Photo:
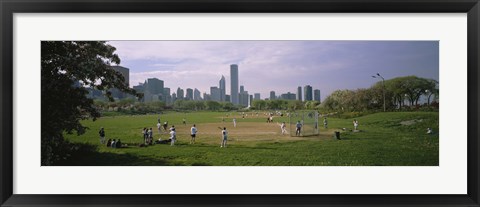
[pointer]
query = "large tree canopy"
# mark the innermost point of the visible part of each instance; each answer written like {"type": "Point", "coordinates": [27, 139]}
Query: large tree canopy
{"type": "Point", "coordinates": [397, 90]}
{"type": "Point", "coordinates": [66, 65]}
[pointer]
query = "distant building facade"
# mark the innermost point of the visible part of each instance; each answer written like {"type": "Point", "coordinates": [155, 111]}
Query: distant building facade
{"type": "Point", "coordinates": [316, 95]}
{"type": "Point", "coordinates": [234, 83]}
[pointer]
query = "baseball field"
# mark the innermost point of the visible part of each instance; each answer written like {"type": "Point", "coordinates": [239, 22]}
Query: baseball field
{"type": "Point", "coordinates": [383, 139]}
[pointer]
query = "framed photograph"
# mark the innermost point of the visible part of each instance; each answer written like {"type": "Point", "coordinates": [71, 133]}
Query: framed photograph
{"type": "Point", "coordinates": [262, 103]}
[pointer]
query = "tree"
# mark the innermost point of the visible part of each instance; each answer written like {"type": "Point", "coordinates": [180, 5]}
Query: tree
{"type": "Point", "coordinates": [65, 66]}
{"type": "Point", "coordinates": [213, 105]}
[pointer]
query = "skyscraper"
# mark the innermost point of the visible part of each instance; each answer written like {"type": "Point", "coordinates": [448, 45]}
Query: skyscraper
{"type": "Point", "coordinates": [126, 75]}
{"type": "Point", "coordinates": [179, 93]}
{"type": "Point", "coordinates": [299, 93]}
{"type": "Point", "coordinates": [215, 93]}
{"type": "Point", "coordinates": [257, 96]}
{"type": "Point", "coordinates": [167, 98]}
{"type": "Point", "coordinates": [288, 96]}
{"type": "Point", "coordinates": [196, 95]}
{"type": "Point", "coordinates": [242, 89]}
{"type": "Point", "coordinates": [155, 86]}
{"type": "Point", "coordinates": [189, 95]}
{"type": "Point", "coordinates": [221, 85]}
{"type": "Point", "coordinates": [243, 98]}
{"type": "Point", "coordinates": [316, 95]}
{"type": "Point", "coordinates": [272, 95]}
{"type": "Point", "coordinates": [234, 83]}
{"type": "Point", "coordinates": [308, 93]}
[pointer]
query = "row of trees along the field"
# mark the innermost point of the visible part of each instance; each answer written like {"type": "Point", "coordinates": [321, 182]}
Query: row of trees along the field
{"type": "Point", "coordinates": [398, 92]}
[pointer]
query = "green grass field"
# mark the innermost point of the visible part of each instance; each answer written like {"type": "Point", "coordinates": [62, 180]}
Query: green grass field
{"type": "Point", "coordinates": [386, 139]}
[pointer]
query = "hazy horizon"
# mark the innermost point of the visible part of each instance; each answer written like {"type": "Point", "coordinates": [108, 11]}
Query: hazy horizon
{"type": "Point", "coordinates": [280, 66]}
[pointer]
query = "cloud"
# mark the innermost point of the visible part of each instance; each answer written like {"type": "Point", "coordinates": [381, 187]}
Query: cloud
{"type": "Point", "coordinates": [281, 66]}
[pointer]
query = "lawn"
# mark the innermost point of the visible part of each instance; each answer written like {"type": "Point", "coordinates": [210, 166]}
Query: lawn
{"type": "Point", "coordinates": [385, 139]}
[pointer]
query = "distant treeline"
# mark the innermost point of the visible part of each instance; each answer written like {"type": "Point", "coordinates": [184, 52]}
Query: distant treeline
{"type": "Point", "coordinates": [399, 93]}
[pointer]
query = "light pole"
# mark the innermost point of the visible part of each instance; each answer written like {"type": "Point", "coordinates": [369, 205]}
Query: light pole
{"type": "Point", "coordinates": [383, 89]}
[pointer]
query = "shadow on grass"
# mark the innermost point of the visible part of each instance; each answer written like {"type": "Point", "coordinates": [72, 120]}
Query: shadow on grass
{"type": "Point", "coordinates": [88, 155]}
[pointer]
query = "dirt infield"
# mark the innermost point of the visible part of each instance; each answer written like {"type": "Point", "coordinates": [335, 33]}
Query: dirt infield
{"type": "Point", "coordinates": [244, 132]}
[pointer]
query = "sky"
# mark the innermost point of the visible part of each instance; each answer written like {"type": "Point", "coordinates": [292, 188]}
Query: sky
{"type": "Point", "coordinates": [279, 66]}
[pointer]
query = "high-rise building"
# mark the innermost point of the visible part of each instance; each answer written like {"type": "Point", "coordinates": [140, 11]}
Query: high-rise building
{"type": "Point", "coordinates": [124, 71]}
{"type": "Point", "coordinates": [242, 89]}
{"type": "Point", "coordinates": [299, 93]}
{"type": "Point", "coordinates": [167, 98]}
{"type": "Point", "coordinates": [214, 93]}
{"type": "Point", "coordinates": [174, 97]}
{"type": "Point", "coordinates": [189, 95]}
{"type": "Point", "coordinates": [272, 95]}
{"type": "Point", "coordinates": [250, 101]}
{"type": "Point", "coordinates": [155, 86]}
{"type": "Point", "coordinates": [234, 83]}
{"type": "Point", "coordinates": [316, 95]}
{"type": "Point", "coordinates": [288, 96]}
{"type": "Point", "coordinates": [221, 85]}
{"type": "Point", "coordinates": [126, 75]}
{"type": "Point", "coordinates": [243, 98]}
{"type": "Point", "coordinates": [257, 96]}
{"type": "Point", "coordinates": [196, 95]}
{"type": "Point", "coordinates": [179, 93]}
{"type": "Point", "coordinates": [207, 97]}
{"type": "Point", "coordinates": [227, 98]}
{"type": "Point", "coordinates": [307, 92]}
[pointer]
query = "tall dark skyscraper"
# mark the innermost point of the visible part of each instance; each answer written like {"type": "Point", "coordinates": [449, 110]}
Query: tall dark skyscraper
{"type": "Point", "coordinates": [234, 83]}
{"type": "Point", "coordinates": [272, 95]}
{"type": "Point", "coordinates": [196, 95]}
{"type": "Point", "coordinates": [126, 75]}
{"type": "Point", "coordinates": [221, 85]}
{"type": "Point", "coordinates": [257, 96]}
{"type": "Point", "coordinates": [316, 95]}
{"type": "Point", "coordinates": [308, 93]}
{"type": "Point", "coordinates": [189, 95]}
{"type": "Point", "coordinates": [155, 86]}
{"type": "Point", "coordinates": [179, 93]}
{"type": "Point", "coordinates": [299, 93]}
{"type": "Point", "coordinates": [215, 93]}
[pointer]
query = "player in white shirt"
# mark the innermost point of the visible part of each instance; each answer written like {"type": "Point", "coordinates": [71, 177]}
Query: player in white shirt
{"type": "Point", "coordinates": [159, 127]}
{"type": "Point", "coordinates": [173, 136]}
{"type": "Point", "coordinates": [224, 137]}
{"type": "Point", "coordinates": [193, 133]}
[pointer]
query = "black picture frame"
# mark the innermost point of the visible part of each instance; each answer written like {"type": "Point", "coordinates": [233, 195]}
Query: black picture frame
{"type": "Point", "coordinates": [10, 7]}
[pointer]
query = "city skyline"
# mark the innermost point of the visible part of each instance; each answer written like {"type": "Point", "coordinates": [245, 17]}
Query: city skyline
{"type": "Point", "coordinates": [279, 66]}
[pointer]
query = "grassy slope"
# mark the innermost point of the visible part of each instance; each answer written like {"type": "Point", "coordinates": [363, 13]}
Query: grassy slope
{"type": "Point", "coordinates": [383, 141]}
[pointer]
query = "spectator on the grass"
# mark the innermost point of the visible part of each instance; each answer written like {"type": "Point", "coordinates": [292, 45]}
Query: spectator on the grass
{"type": "Point", "coordinates": [234, 122]}
{"type": "Point", "coordinates": [145, 135]}
{"type": "Point", "coordinates": [109, 142]}
{"type": "Point", "coordinates": [224, 137]}
{"type": "Point", "coordinates": [184, 121]}
{"type": "Point", "coordinates": [114, 143]}
{"type": "Point", "coordinates": [193, 133]}
{"type": "Point", "coordinates": [102, 135]}
{"type": "Point", "coordinates": [118, 144]}
{"type": "Point", "coordinates": [429, 130]}
{"type": "Point", "coordinates": [355, 124]}
{"type": "Point", "coordinates": [325, 123]}
{"type": "Point", "coordinates": [150, 136]}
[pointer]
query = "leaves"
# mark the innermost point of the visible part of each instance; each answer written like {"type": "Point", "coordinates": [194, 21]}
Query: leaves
{"type": "Point", "coordinates": [66, 65]}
